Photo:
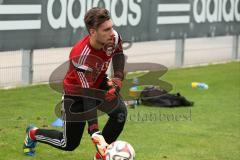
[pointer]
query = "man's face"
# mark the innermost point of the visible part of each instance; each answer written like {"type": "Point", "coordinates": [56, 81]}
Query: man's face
{"type": "Point", "coordinates": [104, 34]}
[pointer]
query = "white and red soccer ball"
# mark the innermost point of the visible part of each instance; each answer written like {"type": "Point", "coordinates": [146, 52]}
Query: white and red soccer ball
{"type": "Point", "coordinates": [120, 150]}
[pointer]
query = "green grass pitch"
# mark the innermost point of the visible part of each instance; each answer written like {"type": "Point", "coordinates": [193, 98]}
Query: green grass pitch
{"type": "Point", "coordinates": [208, 131]}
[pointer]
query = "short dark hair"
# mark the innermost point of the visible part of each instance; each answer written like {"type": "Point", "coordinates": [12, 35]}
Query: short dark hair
{"type": "Point", "coordinates": [95, 17]}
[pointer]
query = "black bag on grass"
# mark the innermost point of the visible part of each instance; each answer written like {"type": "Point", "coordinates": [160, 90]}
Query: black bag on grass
{"type": "Point", "coordinates": [153, 96]}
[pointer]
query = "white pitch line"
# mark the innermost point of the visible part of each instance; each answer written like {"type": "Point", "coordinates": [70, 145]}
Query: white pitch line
{"type": "Point", "coordinates": [173, 19]}
{"type": "Point", "coordinates": [20, 25]}
{"type": "Point", "coordinates": [173, 7]}
{"type": "Point", "coordinates": [20, 9]}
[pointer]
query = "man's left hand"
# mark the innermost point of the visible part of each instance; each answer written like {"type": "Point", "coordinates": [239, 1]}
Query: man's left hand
{"type": "Point", "coordinates": [115, 85]}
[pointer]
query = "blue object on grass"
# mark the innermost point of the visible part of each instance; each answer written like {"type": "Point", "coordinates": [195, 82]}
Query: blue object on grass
{"type": "Point", "coordinates": [58, 123]}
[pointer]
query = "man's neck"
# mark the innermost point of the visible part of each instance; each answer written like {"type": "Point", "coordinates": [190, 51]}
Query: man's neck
{"type": "Point", "coordinates": [95, 44]}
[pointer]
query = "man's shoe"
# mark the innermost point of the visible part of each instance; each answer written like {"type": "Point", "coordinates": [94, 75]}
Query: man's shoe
{"type": "Point", "coordinates": [98, 157]}
{"type": "Point", "coordinates": [29, 144]}
{"type": "Point", "coordinates": [100, 144]}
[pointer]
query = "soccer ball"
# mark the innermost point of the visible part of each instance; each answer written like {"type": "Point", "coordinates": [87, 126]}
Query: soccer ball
{"type": "Point", "coordinates": [120, 150]}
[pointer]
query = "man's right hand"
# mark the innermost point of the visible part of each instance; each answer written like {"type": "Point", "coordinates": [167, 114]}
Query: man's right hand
{"type": "Point", "coordinates": [100, 143]}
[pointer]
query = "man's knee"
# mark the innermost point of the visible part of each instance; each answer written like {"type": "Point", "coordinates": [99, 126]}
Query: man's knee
{"type": "Point", "coordinates": [71, 147]}
{"type": "Point", "coordinates": [120, 113]}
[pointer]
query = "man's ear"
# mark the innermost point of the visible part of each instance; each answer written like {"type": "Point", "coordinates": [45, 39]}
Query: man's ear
{"type": "Point", "coordinates": [92, 31]}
